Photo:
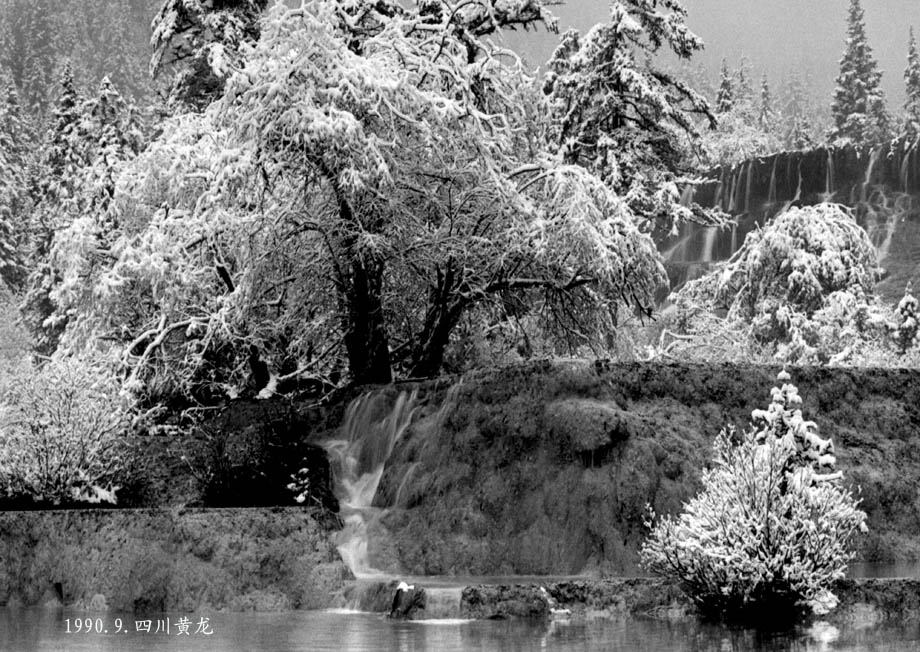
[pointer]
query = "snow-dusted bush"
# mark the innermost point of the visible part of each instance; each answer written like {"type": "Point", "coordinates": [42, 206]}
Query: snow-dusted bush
{"type": "Point", "coordinates": [61, 433]}
{"type": "Point", "coordinates": [770, 531]}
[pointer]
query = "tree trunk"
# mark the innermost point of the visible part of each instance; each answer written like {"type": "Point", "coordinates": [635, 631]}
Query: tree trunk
{"type": "Point", "coordinates": [440, 321]}
{"type": "Point", "coordinates": [366, 339]}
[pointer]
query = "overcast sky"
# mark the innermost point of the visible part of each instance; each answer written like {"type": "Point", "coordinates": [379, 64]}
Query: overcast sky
{"type": "Point", "coordinates": [782, 35]}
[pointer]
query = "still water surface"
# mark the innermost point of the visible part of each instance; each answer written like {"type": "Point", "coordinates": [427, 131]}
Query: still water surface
{"type": "Point", "coordinates": [38, 630]}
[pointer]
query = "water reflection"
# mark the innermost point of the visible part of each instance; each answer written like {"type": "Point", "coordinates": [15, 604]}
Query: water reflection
{"type": "Point", "coordinates": [36, 630]}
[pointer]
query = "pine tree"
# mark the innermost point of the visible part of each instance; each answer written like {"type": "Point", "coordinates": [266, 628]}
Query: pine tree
{"type": "Point", "coordinates": [617, 115]}
{"type": "Point", "coordinates": [15, 145]}
{"type": "Point", "coordinates": [725, 99]}
{"type": "Point", "coordinates": [799, 130]}
{"type": "Point", "coordinates": [859, 113]}
{"type": "Point", "coordinates": [912, 82]}
{"type": "Point", "coordinates": [111, 130]}
{"type": "Point", "coordinates": [744, 88]}
{"type": "Point", "coordinates": [767, 116]}
{"type": "Point", "coordinates": [57, 178]}
{"type": "Point", "coordinates": [62, 153]}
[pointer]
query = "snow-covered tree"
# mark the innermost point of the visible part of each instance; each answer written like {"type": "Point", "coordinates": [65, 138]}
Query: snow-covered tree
{"type": "Point", "coordinates": [112, 134]}
{"type": "Point", "coordinates": [800, 284]}
{"type": "Point", "coordinates": [799, 130]}
{"type": "Point", "coordinates": [858, 109]}
{"type": "Point", "coordinates": [767, 115]}
{"type": "Point", "coordinates": [614, 113]}
{"type": "Point", "coordinates": [200, 41]}
{"type": "Point", "coordinates": [741, 133]}
{"type": "Point", "coordinates": [362, 184]}
{"type": "Point", "coordinates": [85, 146]}
{"type": "Point", "coordinates": [56, 178]}
{"type": "Point", "coordinates": [770, 532]}
{"type": "Point", "coordinates": [725, 99]}
{"type": "Point", "coordinates": [16, 145]}
{"type": "Point", "coordinates": [912, 86]}
{"type": "Point", "coordinates": [744, 85]}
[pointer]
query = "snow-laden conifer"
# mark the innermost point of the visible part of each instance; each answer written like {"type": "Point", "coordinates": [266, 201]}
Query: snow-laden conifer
{"type": "Point", "coordinates": [766, 116]}
{"type": "Point", "coordinates": [16, 144]}
{"type": "Point", "coordinates": [912, 86]}
{"type": "Point", "coordinates": [858, 110]}
{"type": "Point", "coordinates": [615, 113]}
{"type": "Point", "coordinates": [799, 128]}
{"type": "Point", "coordinates": [725, 99]}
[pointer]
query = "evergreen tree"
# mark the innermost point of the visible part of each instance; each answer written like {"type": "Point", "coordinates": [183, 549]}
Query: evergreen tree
{"type": "Point", "coordinates": [858, 109]}
{"type": "Point", "coordinates": [15, 145]}
{"type": "Point", "coordinates": [56, 180]}
{"type": "Point", "coordinates": [62, 153]}
{"type": "Point", "coordinates": [744, 88]}
{"type": "Point", "coordinates": [617, 115]}
{"type": "Point", "coordinates": [912, 82]}
{"type": "Point", "coordinates": [767, 116]}
{"type": "Point", "coordinates": [111, 129]}
{"type": "Point", "coordinates": [725, 99]}
{"type": "Point", "coordinates": [799, 129]}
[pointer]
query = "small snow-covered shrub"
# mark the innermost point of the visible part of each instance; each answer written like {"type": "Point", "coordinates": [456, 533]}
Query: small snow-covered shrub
{"type": "Point", "coordinates": [905, 329]}
{"type": "Point", "coordinates": [770, 530]}
{"type": "Point", "coordinates": [62, 431]}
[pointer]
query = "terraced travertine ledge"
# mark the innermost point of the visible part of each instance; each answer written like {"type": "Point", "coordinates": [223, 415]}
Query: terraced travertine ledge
{"type": "Point", "coordinates": [234, 559]}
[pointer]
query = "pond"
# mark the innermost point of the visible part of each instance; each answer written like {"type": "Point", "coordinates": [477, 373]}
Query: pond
{"type": "Point", "coordinates": [39, 630]}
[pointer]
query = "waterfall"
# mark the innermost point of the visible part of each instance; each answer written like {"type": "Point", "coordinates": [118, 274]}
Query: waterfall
{"type": "Point", "coordinates": [881, 185]}
{"type": "Point", "coordinates": [910, 150]}
{"type": "Point", "coordinates": [747, 190]}
{"type": "Point", "coordinates": [709, 242]}
{"type": "Point", "coordinates": [873, 158]}
{"type": "Point", "coordinates": [771, 193]}
{"type": "Point", "coordinates": [369, 433]}
{"type": "Point", "coordinates": [829, 177]}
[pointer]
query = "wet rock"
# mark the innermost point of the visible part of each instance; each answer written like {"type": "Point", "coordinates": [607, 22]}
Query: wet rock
{"type": "Point", "coordinates": [408, 601]}
{"type": "Point", "coordinates": [499, 602]}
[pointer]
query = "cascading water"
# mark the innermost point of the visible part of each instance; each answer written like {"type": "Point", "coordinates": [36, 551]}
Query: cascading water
{"type": "Point", "coordinates": [881, 185]}
{"type": "Point", "coordinates": [369, 433]}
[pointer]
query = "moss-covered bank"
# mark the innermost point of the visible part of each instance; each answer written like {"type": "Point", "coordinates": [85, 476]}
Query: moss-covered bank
{"type": "Point", "coordinates": [547, 468]}
{"type": "Point", "coordinates": [169, 559]}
